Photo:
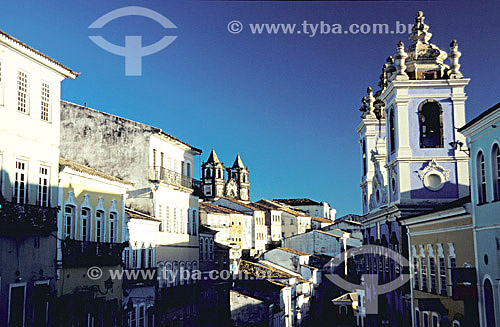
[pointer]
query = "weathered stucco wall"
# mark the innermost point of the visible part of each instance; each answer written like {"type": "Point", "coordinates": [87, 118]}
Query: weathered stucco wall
{"type": "Point", "coordinates": [111, 144]}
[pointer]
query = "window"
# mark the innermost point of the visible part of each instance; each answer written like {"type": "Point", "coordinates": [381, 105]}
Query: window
{"type": "Point", "coordinates": [21, 182]}
{"type": "Point", "coordinates": [442, 277]}
{"type": "Point", "coordinates": [452, 262]}
{"type": "Point", "coordinates": [17, 302]}
{"type": "Point", "coordinates": [426, 319]}
{"type": "Point", "coordinates": [22, 92]}
{"type": "Point", "coordinates": [417, 318]}
{"type": "Point", "coordinates": [99, 226]}
{"type": "Point", "coordinates": [392, 129]}
{"type": "Point", "coordinates": [169, 274]}
{"type": "Point", "coordinates": [435, 320]}
{"type": "Point", "coordinates": [85, 221]}
{"type": "Point", "coordinates": [45, 102]}
{"type": "Point", "coordinates": [195, 225]}
{"type": "Point", "coordinates": [182, 221]}
{"type": "Point", "coordinates": [154, 157]}
{"type": "Point", "coordinates": [112, 227]}
{"type": "Point", "coordinates": [455, 323]}
{"type": "Point", "coordinates": [43, 186]}
{"type": "Point", "coordinates": [175, 220]}
{"type": "Point", "coordinates": [432, 273]}
{"type": "Point", "coordinates": [495, 166]}
{"type": "Point", "coordinates": [176, 274]}
{"type": "Point", "coordinates": [167, 220]}
{"type": "Point", "coordinates": [188, 169]}
{"type": "Point", "coordinates": [69, 217]}
{"type": "Point", "coordinates": [134, 259]}
{"type": "Point", "coordinates": [141, 316]}
{"type": "Point", "coordinates": [188, 222]}
{"type": "Point", "coordinates": [143, 258]}
{"type": "Point", "coordinates": [481, 178]}
{"type": "Point", "coordinates": [162, 159]}
{"type": "Point", "coordinates": [182, 272]}
{"type": "Point", "coordinates": [126, 258]}
{"type": "Point", "coordinates": [423, 271]}
{"type": "Point", "coordinates": [291, 221]}
{"type": "Point", "coordinates": [160, 217]}
{"type": "Point", "coordinates": [133, 317]}
{"type": "Point", "coordinates": [431, 124]}
{"type": "Point", "coordinates": [150, 257]}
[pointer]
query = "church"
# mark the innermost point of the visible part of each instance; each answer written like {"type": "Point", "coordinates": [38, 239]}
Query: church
{"type": "Point", "coordinates": [409, 164]}
{"type": "Point", "coordinates": [215, 183]}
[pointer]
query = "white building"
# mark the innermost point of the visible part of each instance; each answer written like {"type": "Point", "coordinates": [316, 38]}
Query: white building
{"type": "Point", "coordinates": [30, 91]}
{"type": "Point", "coordinates": [254, 231]}
{"type": "Point", "coordinates": [310, 207]}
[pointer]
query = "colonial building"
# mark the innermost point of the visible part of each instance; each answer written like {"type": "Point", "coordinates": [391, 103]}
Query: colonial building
{"type": "Point", "coordinates": [310, 207]}
{"type": "Point", "coordinates": [139, 259]}
{"type": "Point", "coordinates": [408, 164]}
{"type": "Point", "coordinates": [219, 219]}
{"type": "Point", "coordinates": [215, 184]}
{"type": "Point", "coordinates": [483, 140]}
{"type": "Point", "coordinates": [160, 166]}
{"type": "Point", "coordinates": [30, 87]}
{"type": "Point", "coordinates": [89, 235]}
{"type": "Point", "coordinates": [273, 222]}
{"type": "Point", "coordinates": [443, 274]}
{"type": "Point", "coordinates": [254, 238]}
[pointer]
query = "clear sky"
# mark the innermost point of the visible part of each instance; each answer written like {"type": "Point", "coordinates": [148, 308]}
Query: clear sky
{"type": "Point", "coordinates": [287, 103]}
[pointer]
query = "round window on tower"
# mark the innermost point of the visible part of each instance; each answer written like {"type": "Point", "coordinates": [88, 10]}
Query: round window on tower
{"type": "Point", "coordinates": [393, 184]}
{"type": "Point", "coordinates": [434, 181]}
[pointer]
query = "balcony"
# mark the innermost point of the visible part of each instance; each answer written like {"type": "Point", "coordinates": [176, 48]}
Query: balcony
{"type": "Point", "coordinates": [86, 254]}
{"type": "Point", "coordinates": [170, 177]}
{"type": "Point", "coordinates": [26, 218]}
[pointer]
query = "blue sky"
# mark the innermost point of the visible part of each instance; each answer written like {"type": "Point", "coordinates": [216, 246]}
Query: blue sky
{"type": "Point", "coordinates": [287, 103]}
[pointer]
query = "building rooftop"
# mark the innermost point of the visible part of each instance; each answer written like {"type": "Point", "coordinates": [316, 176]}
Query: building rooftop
{"type": "Point", "coordinates": [204, 229]}
{"type": "Point", "coordinates": [294, 251]}
{"type": "Point", "coordinates": [9, 38]}
{"type": "Point", "coordinates": [139, 215]}
{"type": "Point", "coordinates": [248, 206]}
{"type": "Point", "coordinates": [297, 202]}
{"type": "Point", "coordinates": [322, 220]}
{"type": "Point", "coordinates": [216, 209]}
{"type": "Point", "coordinates": [348, 298]}
{"type": "Point", "coordinates": [90, 171]}
{"type": "Point", "coordinates": [481, 116]}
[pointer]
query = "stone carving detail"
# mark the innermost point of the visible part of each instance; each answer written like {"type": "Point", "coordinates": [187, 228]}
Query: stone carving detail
{"type": "Point", "coordinates": [433, 166]}
{"type": "Point", "coordinates": [400, 58]}
{"type": "Point", "coordinates": [421, 48]}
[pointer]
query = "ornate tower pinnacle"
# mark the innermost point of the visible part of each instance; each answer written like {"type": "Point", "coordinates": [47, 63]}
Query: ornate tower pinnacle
{"type": "Point", "coordinates": [454, 55]}
{"type": "Point", "coordinates": [400, 57]}
{"type": "Point", "coordinates": [420, 31]}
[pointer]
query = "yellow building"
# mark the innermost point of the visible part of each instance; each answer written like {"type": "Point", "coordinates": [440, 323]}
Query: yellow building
{"type": "Point", "coordinates": [90, 245]}
{"type": "Point", "coordinates": [442, 263]}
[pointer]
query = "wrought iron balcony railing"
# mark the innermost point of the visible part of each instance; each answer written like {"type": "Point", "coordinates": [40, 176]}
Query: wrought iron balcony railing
{"type": "Point", "coordinates": [85, 254]}
{"type": "Point", "coordinates": [26, 218]}
{"type": "Point", "coordinates": [169, 177]}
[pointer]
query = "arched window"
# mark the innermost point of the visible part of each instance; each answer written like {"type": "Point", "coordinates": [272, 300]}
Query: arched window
{"type": "Point", "coordinates": [195, 269]}
{"type": "Point", "coordinates": [189, 269]}
{"type": "Point", "coordinates": [365, 163]}
{"type": "Point", "coordinates": [495, 173]}
{"type": "Point", "coordinates": [489, 304]}
{"type": "Point", "coordinates": [161, 274]}
{"type": "Point", "coordinates": [99, 226]}
{"type": "Point", "coordinates": [175, 274]}
{"type": "Point", "coordinates": [431, 124]}
{"type": "Point", "coordinates": [169, 274]}
{"type": "Point", "coordinates": [392, 130]}
{"type": "Point", "coordinates": [85, 222]}
{"type": "Point", "coordinates": [481, 178]}
{"type": "Point", "coordinates": [112, 227]}
{"type": "Point", "coordinates": [69, 218]}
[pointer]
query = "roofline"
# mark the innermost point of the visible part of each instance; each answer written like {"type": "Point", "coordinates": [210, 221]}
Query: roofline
{"type": "Point", "coordinates": [92, 172]}
{"type": "Point", "coordinates": [479, 117]}
{"type": "Point", "coordinates": [20, 46]}
{"type": "Point", "coordinates": [154, 130]}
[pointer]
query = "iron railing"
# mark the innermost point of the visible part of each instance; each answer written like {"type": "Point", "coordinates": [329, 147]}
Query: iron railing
{"type": "Point", "coordinates": [26, 218]}
{"type": "Point", "coordinates": [85, 254]}
{"type": "Point", "coordinates": [169, 177]}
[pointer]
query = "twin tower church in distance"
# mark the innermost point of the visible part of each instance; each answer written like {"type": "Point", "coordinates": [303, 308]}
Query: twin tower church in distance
{"type": "Point", "coordinates": [216, 185]}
